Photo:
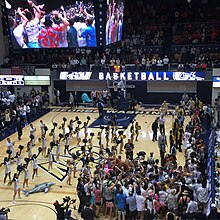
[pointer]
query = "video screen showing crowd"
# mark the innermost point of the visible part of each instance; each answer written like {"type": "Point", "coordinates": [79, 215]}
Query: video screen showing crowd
{"type": "Point", "coordinates": [51, 24]}
{"type": "Point", "coordinates": [114, 21]}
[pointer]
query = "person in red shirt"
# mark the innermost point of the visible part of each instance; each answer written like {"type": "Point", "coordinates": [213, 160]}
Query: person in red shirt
{"type": "Point", "coordinates": [49, 36]}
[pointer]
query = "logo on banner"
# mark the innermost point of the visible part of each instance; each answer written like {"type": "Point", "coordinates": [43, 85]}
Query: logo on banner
{"type": "Point", "coordinates": [75, 75]}
{"type": "Point", "coordinates": [11, 80]}
{"type": "Point", "coordinates": [186, 76]}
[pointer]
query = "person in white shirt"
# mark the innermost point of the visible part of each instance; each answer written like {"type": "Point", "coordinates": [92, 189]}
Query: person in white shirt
{"type": "Point", "coordinates": [32, 132]}
{"type": "Point", "coordinates": [140, 200]}
{"type": "Point", "coordinates": [26, 176]}
{"type": "Point", "coordinates": [67, 143]}
{"type": "Point", "coordinates": [112, 62]}
{"type": "Point", "coordinates": [7, 169]}
{"type": "Point", "coordinates": [10, 146]}
{"type": "Point", "coordinates": [42, 125]}
{"type": "Point", "coordinates": [44, 146]}
{"type": "Point", "coordinates": [166, 62]}
{"type": "Point", "coordinates": [192, 208]}
{"type": "Point", "coordinates": [118, 62]}
{"type": "Point", "coordinates": [32, 27]}
{"type": "Point", "coordinates": [17, 31]}
{"type": "Point", "coordinates": [161, 122]}
{"type": "Point", "coordinates": [17, 189]}
{"type": "Point", "coordinates": [35, 167]}
{"type": "Point", "coordinates": [57, 150]}
{"type": "Point", "coordinates": [159, 62]}
{"type": "Point", "coordinates": [50, 158]}
{"type": "Point", "coordinates": [187, 136]}
{"type": "Point", "coordinates": [80, 25]}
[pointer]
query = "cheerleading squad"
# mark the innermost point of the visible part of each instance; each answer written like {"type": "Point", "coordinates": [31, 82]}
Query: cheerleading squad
{"type": "Point", "coordinates": [72, 26]}
{"type": "Point", "coordinates": [84, 141]}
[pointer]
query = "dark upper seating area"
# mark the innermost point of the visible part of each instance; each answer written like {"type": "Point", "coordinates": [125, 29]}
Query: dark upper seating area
{"type": "Point", "coordinates": [152, 29]}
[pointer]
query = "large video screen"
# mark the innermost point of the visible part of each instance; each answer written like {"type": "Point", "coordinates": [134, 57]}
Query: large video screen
{"type": "Point", "coordinates": [114, 21]}
{"type": "Point", "coordinates": [51, 23]}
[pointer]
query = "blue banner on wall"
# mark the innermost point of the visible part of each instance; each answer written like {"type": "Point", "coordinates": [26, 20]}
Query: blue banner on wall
{"type": "Point", "coordinates": [133, 76]}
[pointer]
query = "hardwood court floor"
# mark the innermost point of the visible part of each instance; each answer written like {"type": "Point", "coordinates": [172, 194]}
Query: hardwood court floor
{"type": "Point", "coordinates": [40, 206]}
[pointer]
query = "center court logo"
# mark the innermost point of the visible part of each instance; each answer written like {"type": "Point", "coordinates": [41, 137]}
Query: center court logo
{"type": "Point", "coordinates": [59, 171]}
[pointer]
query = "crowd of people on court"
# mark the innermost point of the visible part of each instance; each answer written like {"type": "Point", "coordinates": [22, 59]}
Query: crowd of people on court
{"type": "Point", "coordinates": [117, 182]}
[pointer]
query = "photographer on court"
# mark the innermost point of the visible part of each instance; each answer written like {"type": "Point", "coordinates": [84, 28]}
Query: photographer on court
{"type": "Point", "coordinates": [4, 213]}
{"type": "Point", "coordinates": [62, 209]}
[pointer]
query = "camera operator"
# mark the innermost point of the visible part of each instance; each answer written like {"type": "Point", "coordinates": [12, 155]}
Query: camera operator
{"type": "Point", "coordinates": [62, 209]}
{"type": "Point", "coordinates": [4, 213]}
{"type": "Point", "coordinates": [129, 147]}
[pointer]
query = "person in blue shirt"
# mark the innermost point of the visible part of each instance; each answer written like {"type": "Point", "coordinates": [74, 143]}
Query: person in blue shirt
{"type": "Point", "coordinates": [72, 35]}
{"type": "Point", "coordinates": [89, 33]}
{"type": "Point", "coordinates": [121, 204]}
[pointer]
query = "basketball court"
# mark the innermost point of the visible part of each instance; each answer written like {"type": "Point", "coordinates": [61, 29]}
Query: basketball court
{"type": "Point", "coordinates": [39, 206]}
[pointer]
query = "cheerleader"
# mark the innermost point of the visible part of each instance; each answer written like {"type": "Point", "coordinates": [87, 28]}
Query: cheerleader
{"type": "Point", "coordinates": [58, 150]}
{"type": "Point", "coordinates": [77, 131]}
{"type": "Point", "coordinates": [35, 167]}
{"type": "Point", "coordinates": [71, 127]}
{"type": "Point", "coordinates": [10, 146]}
{"type": "Point", "coordinates": [53, 135]}
{"type": "Point", "coordinates": [67, 143]}
{"type": "Point", "coordinates": [69, 172]}
{"type": "Point", "coordinates": [85, 127]}
{"type": "Point", "coordinates": [107, 131]}
{"type": "Point", "coordinates": [50, 158]}
{"type": "Point", "coordinates": [63, 128]}
{"type": "Point", "coordinates": [26, 176]}
{"type": "Point", "coordinates": [90, 142]}
{"type": "Point", "coordinates": [74, 168]}
{"type": "Point", "coordinates": [137, 129]}
{"type": "Point", "coordinates": [18, 156]}
{"type": "Point", "coordinates": [7, 169]}
{"type": "Point", "coordinates": [44, 146]}
{"type": "Point", "coordinates": [99, 137]}
{"type": "Point", "coordinates": [42, 125]}
{"type": "Point", "coordinates": [32, 132]}
{"type": "Point", "coordinates": [17, 189]}
{"type": "Point", "coordinates": [29, 149]}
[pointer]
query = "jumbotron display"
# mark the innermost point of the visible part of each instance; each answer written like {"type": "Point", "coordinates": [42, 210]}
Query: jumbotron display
{"type": "Point", "coordinates": [114, 21]}
{"type": "Point", "coordinates": [51, 23]}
